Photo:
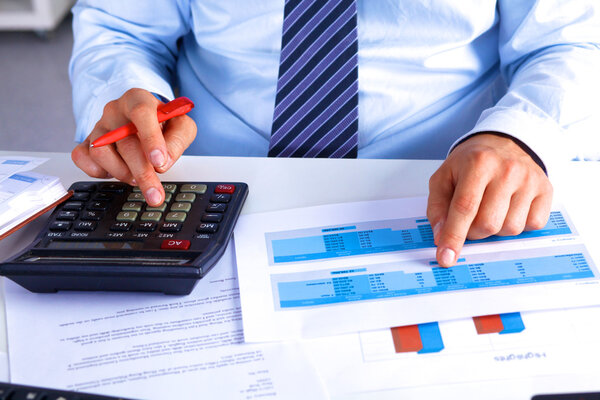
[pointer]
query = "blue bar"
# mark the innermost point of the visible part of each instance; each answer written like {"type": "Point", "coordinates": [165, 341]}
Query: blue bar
{"type": "Point", "coordinates": [15, 162]}
{"type": "Point", "coordinates": [361, 239]}
{"type": "Point", "coordinates": [349, 288]}
{"type": "Point", "coordinates": [348, 271]}
{"type": "Point", "coordinates": [431, 338]}
{"type": "Point", "coordinates": [22, 178]}
{"type": "Point", "coordinates": [513, 323]}
{"type": "Point", "coordinates": [339, 228]}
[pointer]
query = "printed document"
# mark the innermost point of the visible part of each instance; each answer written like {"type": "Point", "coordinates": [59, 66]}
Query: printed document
{"type": "Point", "coordinates": [15, 164]}
{"type": "Point", "coordinates": [352, 267]}
{"type": "Point", "coordinates": [151, 346]}
{"type": "Point", "coordinates": [24, 194]}
{"type": "Point", "coordinates": [558, 347]}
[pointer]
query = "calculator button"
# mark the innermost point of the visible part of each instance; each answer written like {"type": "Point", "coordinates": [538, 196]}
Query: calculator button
{"type": "Point", "coordinates": [212, 217]}
{"type": "Point", "coordinates": [62, 397]}
{"type": "Point", "coordinates": [168, 197]}
{"type": "Point", "coordinates": [136, 189]}
{"type": "Point", "coordinates": [27, 395]}
{"type": "Point", "coordinates": [80, 196]}
{"type": "Point", "coordinates": [132, 206]}
{"type": "Point", "coordinates": [220, 198]}
{"type": "Point", "coordinates": [73, 206]}
{"type": "Point", "coordinates": [97, 206]}
{"type": "Point", "coordinates": [151, 216]}
{"type": "Point", "coordinates": [175, 217]}
{"type": "Point", "coordinates": [103, 196]}
{"type": "Point", "coordinates": [120, 226]}
{"type": "Point", "coordinates": [85, 226]}
{"type": "Point", "coordinates": [160, 208]}
{"type": "Point", "coordinates": [173, 244]}
{"type": "Point", "coordinates": [207, 228]}
{"type": "Point", "coordinates": [185, 207]}
{"type": "Point", "coordinates": [5, 393]}
{"type": "Point", "coordinates": [218, 207]}
{"type": "Point", "coordinates": [60, 226]}
{"type": "Point", "coordinates": [170, 227]}
{"type": "Point", "coordinates": [67, 215]}
{"type": "Point", "coordinates": [91, 216]}
{"type": "Point", "coordinates": [229, 189]}
{"type": "Point", "coordinates": [193, 188]}
{"type": "Point", "coordinates": [136, 197]}
{"type": "Point", "coordinates": [146, 227]}
{"type": "Point", "coordinates": [113, 187]}
{"type": "Point", "coordinates": [84, 187]}
{"type": "Point", "coordinates": [169, 187]}
{"type": "Point", "coordinates": [189, 197]}
{"type": "Point", "coordinates": [127, 216]}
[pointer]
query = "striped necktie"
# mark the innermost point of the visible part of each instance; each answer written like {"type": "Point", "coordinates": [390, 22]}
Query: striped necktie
{"type": "Point", "coordinates": [316, 108]}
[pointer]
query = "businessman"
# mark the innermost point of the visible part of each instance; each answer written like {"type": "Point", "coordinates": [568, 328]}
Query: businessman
{"type": "Point", "coordinates": [491, 86]}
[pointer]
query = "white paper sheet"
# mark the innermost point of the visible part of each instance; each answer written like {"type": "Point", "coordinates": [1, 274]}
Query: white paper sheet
{"type": "Point", "coordinates": [12, 165]}
{"type": "Point", "coordinates": [24, 194]}
{"type": "Point", "coordinates": [151, 346]}
{"type": "Point", "coordinates": [557, 351]}
{"type": "Point", "coordinates": [359, 266]}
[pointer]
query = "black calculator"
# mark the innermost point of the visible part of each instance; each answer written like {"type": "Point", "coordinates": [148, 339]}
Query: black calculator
{"type": "Point", "coordinates": [106, 237]}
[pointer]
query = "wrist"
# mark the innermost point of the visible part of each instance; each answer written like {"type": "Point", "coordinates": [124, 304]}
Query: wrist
{"type": "Point", "coordinates": [518, 142]}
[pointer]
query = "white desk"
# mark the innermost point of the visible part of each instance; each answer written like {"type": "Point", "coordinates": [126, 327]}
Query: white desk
{"type": "Point", "coordinates": [286, 183]}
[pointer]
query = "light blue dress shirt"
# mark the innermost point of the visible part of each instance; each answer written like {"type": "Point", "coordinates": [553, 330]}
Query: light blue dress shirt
{"type": "Point", "coordinates": [430, 72]}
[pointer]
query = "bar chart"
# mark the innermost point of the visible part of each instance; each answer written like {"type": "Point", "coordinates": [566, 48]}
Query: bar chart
{"type": "Point", "coordinates": [499, 323]}
{"type": "Point", "coordinates": [422, 338]}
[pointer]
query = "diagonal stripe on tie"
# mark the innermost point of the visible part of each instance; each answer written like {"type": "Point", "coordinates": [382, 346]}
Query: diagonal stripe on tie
{"type": "Point", "coordinates": [316, 106]}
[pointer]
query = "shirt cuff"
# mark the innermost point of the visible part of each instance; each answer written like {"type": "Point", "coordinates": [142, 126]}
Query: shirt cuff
{"type": "Point", "coordinates": [539, 137]}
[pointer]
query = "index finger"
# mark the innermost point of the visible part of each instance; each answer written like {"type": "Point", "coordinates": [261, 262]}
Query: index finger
{"type": "Point", "coordinates": [141, 109]}
{"type": "Point", "coordinates": [461, 213]}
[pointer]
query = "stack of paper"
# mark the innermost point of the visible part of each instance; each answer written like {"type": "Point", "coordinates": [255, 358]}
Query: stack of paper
{"type": "Point", "coordinates": [367, 270]}
{"type": "Point", "coordinates": [24, 194]}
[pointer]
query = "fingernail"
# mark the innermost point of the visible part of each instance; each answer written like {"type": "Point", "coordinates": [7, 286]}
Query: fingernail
{"type": "Point", "coordinates": [447, 257]}
{"type": "Point", "coordinates": [133, 182]}
{"type": "Point", "coordinates": [157, 158]}
{"type": "Point", "coordinates": [152, 196]}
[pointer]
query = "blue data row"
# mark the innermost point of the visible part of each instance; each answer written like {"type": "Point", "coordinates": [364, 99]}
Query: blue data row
{"type": "Point", "coordinates": [377, 237]}
{"type": "Point", "coordinates": [368, 286]}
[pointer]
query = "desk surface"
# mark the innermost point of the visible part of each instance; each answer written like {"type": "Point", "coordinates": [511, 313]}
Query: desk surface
{"type": "Point", "coordinates": [286, 183]}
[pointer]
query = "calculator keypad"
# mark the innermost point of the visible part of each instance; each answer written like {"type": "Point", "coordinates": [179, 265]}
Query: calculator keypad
{"type": "Point", "coordinates": [191, 214]}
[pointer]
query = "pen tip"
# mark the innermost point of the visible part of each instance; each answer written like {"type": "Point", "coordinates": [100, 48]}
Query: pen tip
{"type": "Point", "coordinates": [91, 144]}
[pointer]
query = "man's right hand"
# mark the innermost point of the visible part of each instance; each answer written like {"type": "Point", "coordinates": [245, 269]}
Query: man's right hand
{"type": "Point", "coordinates": [137, 158]}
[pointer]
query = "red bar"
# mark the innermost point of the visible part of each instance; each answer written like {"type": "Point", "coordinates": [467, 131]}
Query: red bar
{"type": "Point", "coordinates": [407, 338]}
{"type": "Point", "coordinates": [488, 324]}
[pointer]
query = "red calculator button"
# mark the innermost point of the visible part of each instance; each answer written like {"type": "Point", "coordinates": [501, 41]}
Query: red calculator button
{"type": "Point", "coordinates": [229, 189]}
{"type": "Point", "coordinates": [173, 244]}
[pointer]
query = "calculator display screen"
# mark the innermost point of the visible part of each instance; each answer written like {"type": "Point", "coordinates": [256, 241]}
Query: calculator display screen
{"type": "Point", "coordinates": [70, 245]}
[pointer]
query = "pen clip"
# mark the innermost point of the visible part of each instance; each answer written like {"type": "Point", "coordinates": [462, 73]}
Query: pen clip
{"type": "Point", "coordinates": [180, 105]}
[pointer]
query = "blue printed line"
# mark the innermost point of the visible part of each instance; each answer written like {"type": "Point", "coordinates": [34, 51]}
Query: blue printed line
{"type": "Point", "coordinates": [15, 162]}
{"type": "Point", "coordinates": [22, 178]}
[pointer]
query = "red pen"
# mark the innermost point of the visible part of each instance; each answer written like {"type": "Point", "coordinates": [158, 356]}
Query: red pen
{"type": "Point", "coordinates": [174, 108]}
